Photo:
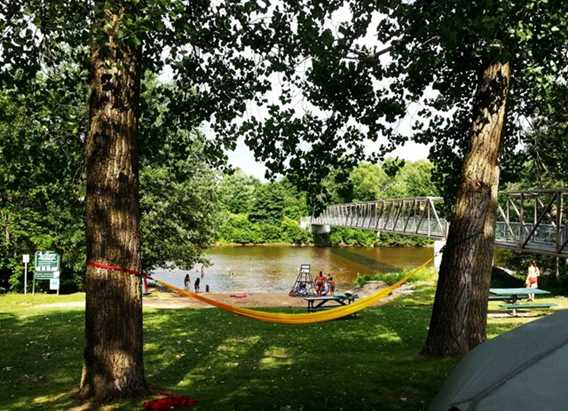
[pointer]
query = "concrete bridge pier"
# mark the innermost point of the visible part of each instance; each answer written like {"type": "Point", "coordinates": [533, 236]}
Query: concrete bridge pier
{"type": "Point", "coordinates": [321, 229]}
{"type": "Point", "coordinates": [321, 234]}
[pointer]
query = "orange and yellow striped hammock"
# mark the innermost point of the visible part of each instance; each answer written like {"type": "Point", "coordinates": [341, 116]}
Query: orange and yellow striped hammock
{"type": "Point", "coordinates": [302, 318]}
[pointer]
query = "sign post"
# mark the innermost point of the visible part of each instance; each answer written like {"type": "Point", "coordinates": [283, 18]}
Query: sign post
{"type": "Point", "coordinates": [47, 264]}
{"type": "Point", "coordinates": [26, 260]}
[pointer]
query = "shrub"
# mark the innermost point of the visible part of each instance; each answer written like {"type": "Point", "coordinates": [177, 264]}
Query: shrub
{"type": "Point", "coordinates": [393, 277]}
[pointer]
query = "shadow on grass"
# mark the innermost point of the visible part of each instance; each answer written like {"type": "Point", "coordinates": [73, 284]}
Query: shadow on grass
{"type": "Point", "coordinates": [229, 362]}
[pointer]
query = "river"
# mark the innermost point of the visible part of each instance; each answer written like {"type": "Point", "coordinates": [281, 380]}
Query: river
{"type": "Point", "coordinates": [274, 268]}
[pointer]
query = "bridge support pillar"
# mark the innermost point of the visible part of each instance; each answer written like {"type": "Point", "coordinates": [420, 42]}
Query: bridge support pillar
{"type": "Point", "coordinates": [438, 245]}
{"type": "Point", "coordinates": [321, 229]}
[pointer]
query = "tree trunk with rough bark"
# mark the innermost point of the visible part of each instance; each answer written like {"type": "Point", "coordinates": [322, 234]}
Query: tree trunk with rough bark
{"type": "Point", "coordinates": [459, 315]}
{"type": "Point", "coordinates": [113, 357]}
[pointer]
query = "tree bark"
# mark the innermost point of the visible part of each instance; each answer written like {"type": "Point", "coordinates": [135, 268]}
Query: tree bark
{"type": "Point", "coordinates": [459, 315]}
{"type": "Point", "coordinates": [113, 357]}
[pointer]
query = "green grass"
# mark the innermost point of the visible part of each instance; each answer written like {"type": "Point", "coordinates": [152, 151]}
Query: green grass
{"type": "Point", "coordinates": [232, 363]}
{"type": "Point", "coordinates": [393, 277]}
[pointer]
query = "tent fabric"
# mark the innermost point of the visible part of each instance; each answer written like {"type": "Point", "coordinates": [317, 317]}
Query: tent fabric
{"type": "Point", "coordinates": [307, 318]}
{"type": "Point", "coordinates": [524, 369]}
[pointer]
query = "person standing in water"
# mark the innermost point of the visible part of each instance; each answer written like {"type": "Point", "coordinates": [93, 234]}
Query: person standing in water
{"type": "Point", "coordinates": [319, 283]}
{"type": "Point", "coordinates": [331, 283]}
{"type": "Point", "coordinates": [187, 282]}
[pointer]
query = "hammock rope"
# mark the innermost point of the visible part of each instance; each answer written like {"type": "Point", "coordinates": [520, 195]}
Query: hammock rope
{"type": "Point", "coordinates": [304, 318]}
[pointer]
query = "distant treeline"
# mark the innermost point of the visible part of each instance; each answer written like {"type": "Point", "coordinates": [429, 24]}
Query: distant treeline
{"type": "Point", "coordinates": [252, 212]}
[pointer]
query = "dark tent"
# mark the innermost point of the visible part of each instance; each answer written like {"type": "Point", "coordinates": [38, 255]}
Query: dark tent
{"type": "Point", "coordinates": [525, 369]}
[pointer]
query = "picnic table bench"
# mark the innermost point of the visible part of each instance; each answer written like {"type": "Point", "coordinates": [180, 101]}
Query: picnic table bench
{"type": "Point", "coordinates": [526, 306]}
{"type": "Point", "coordinates": [500, 297]}
{"type": "Point", "coordinates": [317, 302]}
{"type": "Point", "coordinates": [511, 296]}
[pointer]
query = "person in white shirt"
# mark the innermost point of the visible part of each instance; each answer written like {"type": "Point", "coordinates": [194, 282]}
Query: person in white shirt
{"type": "Point", "coordinates": [532, 278]}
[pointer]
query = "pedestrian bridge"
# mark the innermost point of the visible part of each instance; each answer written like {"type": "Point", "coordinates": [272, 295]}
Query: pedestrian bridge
{"type": "Point", "coordinates": [530, 221]}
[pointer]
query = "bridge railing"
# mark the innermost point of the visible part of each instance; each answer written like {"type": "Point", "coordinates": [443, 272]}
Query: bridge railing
{"type": "Point", "coordinates": [411, 216]}
{"type": "Point", "coordinates": [533, 221]}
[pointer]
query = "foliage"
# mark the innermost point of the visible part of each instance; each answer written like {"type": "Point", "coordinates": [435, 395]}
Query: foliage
{"type": "Point", "coordinates": [177, 206]}
{"type": "Point", "coordinates": [419, 61]}
{"type": "Point", "coordinates": [276, 207]}
{"type": "Point", "coordinates": [368, 182]}
{"type": "Point", "coordinates": [393, 277]}
{"type": "Point", "coordinates": [41, 195]}
{"type": "Point", "coordinates": [352, 237]}
{"type": "Point", "coordinates": [237, 228]}
{"type": "Point", "coordinates": [268, 203]}
{"type": "Point", "coordinates": [255, 213]}
{"type": "Point", "coordinates": [42, 175]}
{"type": "Point", "coordinates": [294, 234]}
{"type": "Point", "coordinates": [236, 192]}
{"type": "Point", "coordinates": [546, 150]}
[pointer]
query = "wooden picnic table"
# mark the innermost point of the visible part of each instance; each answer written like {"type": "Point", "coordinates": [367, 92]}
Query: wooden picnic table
{"type": "Point", "coordinates": [318, 301]}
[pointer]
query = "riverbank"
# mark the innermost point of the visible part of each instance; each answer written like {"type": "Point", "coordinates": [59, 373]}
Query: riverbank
{"type": "Point", "coordinates": [159, 298]}
{"type": "Point", "coordinates": [221, 244]}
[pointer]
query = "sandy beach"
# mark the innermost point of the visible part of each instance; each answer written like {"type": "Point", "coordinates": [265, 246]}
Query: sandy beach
{"type": "Point", "coordinates": [161, 299]}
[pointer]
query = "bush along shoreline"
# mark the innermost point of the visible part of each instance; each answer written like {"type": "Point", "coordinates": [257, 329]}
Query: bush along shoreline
{"type": "Point", "coordinates": [392, 277]}
{"type": "Point", "coordinates": [238, 230]}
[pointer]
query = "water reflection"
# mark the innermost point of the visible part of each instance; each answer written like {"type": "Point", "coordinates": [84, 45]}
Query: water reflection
{"type": "Point", "coordinates": [257, 269]}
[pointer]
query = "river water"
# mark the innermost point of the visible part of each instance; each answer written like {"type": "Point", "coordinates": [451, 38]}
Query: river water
{"type": "Point", "coordinates": [274, 268]}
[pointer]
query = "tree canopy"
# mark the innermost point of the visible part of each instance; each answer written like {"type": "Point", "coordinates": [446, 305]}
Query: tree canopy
{"type": "Point", "coordinates": [43, 180]}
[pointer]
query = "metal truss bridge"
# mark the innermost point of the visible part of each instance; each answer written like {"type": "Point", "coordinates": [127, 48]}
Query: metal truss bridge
{"type": "Point", "coordinates": [530, 221]}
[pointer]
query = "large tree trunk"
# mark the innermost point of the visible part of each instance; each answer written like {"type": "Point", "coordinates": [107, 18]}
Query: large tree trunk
{"type": "Point", "coordinates": [460, 309]}
{"type": "Point", "coordinates": [113, 364]}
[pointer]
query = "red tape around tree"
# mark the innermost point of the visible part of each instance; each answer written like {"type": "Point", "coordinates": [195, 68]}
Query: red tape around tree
{"type": "Point", "coordinates": [114, 267]}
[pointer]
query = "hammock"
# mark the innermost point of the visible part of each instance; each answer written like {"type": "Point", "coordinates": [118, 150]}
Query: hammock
{"type": "Point", "coordinates": [305, 318]}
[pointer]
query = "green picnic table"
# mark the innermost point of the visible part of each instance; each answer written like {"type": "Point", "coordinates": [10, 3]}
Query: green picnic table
{"type": "Point", "coordinates": [318, 301]}
{"type": "Point", "coordinates": [511, 296]}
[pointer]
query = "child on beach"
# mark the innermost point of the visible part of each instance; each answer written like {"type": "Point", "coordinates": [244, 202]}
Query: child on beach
{"type": "Point", "coordinates": [331, 283]}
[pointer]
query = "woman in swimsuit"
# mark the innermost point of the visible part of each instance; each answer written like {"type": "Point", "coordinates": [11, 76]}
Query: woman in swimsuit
{"type": "Point", "coordinates": [532, 278]}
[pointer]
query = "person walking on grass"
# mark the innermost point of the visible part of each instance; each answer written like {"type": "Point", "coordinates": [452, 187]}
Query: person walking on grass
{"type": "Point", "coordinates": [532, 278]}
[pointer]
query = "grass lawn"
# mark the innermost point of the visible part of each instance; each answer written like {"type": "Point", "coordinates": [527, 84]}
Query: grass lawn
{"type": "Point", "coordinates": [232, 363]}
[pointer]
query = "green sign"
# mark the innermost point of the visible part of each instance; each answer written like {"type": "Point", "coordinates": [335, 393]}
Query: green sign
{"type": "Point", "coordinates": [46, 265]}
